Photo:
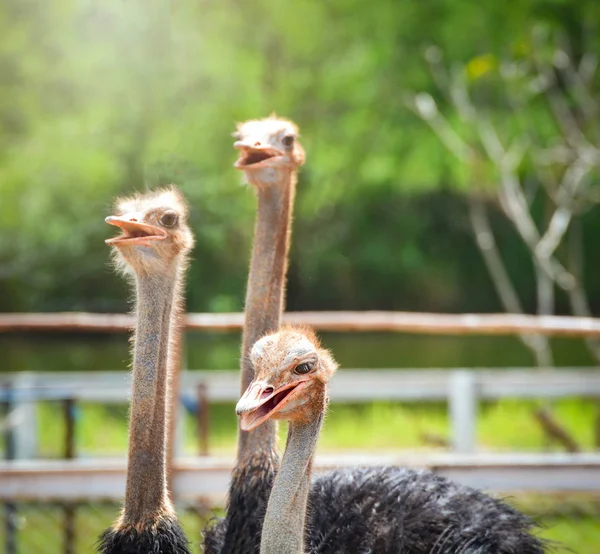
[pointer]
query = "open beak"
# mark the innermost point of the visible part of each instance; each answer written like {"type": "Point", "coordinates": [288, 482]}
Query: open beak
{"type": "Point", "coordinates": [254, 155]}
{"type": "Point", "coordinates": [134, 232]}
{"type": "Point", "coordinates": [260, 402]}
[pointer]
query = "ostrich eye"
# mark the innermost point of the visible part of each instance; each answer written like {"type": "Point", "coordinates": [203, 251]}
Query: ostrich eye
{"type": "Point", "coordinates": [304, 368]}
{"type": "Point", "coordinates": [288, 141]}
{"type": "Point", "coordinates": [169, 219]}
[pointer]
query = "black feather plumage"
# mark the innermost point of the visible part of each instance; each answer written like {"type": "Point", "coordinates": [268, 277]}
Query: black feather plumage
{"type": "Point", "coordinates": [390, 510]}
{"type": "Point", "coordinates": [393, 510]}
{"type": "Point", "coordinates": [239, 532]}
{"type": "Point", "coordinates": [164, 536]}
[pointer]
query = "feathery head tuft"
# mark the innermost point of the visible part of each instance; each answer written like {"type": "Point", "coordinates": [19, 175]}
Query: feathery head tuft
{"type": "Point", "coordinates": [267, 147]}
{"type": "Point", "coordinates": [155, 235]}
{"type": "Point", "coordinates": [292, 370]}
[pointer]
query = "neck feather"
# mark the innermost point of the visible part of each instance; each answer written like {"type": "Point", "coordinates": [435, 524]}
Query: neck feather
{"type": "Point", "coordinates": [266, 289]}
{"type": "Point", "coordinates": [146, 492]}
{"type": "Point", "coordinates": [283, 528]}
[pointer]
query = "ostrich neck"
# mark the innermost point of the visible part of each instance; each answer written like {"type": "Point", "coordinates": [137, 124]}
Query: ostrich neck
{"type": "Point", "coordinates": [283, 528]}
{"type": "Point", "coordinates": [266, 288]}
{"type": "Point", "coordinates": [146, 492]}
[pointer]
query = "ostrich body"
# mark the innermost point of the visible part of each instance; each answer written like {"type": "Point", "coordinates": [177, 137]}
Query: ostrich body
{"type": "Point", "coordinates": [387, 510]}
{"type": "Point", "coordinates": [153, 250]}
{"type": "Point", "coordinates": [269, 157]}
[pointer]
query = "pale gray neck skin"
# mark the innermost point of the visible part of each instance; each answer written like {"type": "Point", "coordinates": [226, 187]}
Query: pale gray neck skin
{"type": "Point", "coordinates": [284, 525]}
{"type": "Point", "coordinates": [146, 492]}
{"type": "Point", "coordinates": [266, 288]}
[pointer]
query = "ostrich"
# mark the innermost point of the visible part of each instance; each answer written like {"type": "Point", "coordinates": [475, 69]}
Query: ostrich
{"type": "Point", "coordinates": [389, 510]}
{"type": "Point", "coordinates": [152, 250]}
{"type": "Point", "coordinates": [270, 155]}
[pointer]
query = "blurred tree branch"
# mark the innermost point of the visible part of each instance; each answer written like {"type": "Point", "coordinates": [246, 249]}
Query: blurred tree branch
{"type": "Point", "coordinates": [562, 155]}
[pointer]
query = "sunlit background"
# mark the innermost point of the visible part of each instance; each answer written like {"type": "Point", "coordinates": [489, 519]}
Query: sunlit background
{"type": "Point", "coordinates": [426, 125]}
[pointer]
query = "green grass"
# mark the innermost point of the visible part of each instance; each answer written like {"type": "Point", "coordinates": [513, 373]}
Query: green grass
{"type": "Point", "coordinates": [507, 425]}
{"type": "Point", "coordinates": [502, 426]}
{"type": "Point", "coordinates": [582, 536]}
{"type": "Point", "coordinates": [40, 529]}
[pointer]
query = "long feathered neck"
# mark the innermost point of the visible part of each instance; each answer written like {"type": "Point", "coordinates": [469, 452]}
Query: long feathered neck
{"type": "Point", "coordinates": [257, 458]}
{"type": "Point", "coordinates": [283, 527]}
{"type": "Point", "coordinates": [266, 289]}
{"type": "Point", "coordinates": [146, 493]}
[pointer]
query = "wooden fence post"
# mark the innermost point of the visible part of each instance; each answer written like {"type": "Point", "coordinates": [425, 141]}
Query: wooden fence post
{"type": "Point", "coordinates": [69, 508]}
{"type": "Point", "coordinates": [202, 415]}
{"type": "Point", "coordinates": [463, 410]}
{"type": "Point", "coordinates": [10, 510]}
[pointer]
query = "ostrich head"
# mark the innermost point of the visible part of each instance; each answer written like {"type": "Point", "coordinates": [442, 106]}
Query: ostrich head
{"type": "Point", "coordinates": [291, 375]}
{"type": "Point", "coordinates": [155, 235]}
{"type": "Point", "coordinates": [268, 147]}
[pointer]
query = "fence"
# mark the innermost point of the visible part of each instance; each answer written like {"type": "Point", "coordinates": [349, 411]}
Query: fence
{"type": "Point", "coordinates": [367, 321]}
{"type": "Point", "coordinates": [462, 389]}
{"type": "Point", "coordinates": [82, 494]}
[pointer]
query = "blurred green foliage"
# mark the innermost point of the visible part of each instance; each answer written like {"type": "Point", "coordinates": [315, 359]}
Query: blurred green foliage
{"type": "Point", "coordinates": [101, 98]}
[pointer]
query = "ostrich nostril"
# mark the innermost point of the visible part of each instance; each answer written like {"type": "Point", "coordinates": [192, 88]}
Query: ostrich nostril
{"type": "Point", "coordinates": [132, 219]}
{"type": "Point", "coordinates": [257, 143]}
{"type": "Point", "coordinates": [267, 392]}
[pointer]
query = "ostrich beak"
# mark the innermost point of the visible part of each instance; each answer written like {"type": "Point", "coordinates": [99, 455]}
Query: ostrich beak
{"type": "Point", "coordinates": [261, 402]}
{"type": "Point", "coordinates": [134, 232]}
{"type": "Point", "coordinates": [254, 154]}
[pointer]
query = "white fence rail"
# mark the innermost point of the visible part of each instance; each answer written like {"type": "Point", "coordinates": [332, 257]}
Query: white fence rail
{"type": "Point", "coordinates": [349, 385]}
{"type": "Point", "coordinates": [461, 388]}
{"type": "Point", "coordinates": [209, 477]}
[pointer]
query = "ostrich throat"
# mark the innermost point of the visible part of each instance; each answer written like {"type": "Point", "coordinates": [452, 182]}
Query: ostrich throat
{"type": "Point", "coordinates": [266, 289]}
{"type": "Point", "coordinates": [146, 492]}
{"type": "Point", "coordinates": [284, 524]}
